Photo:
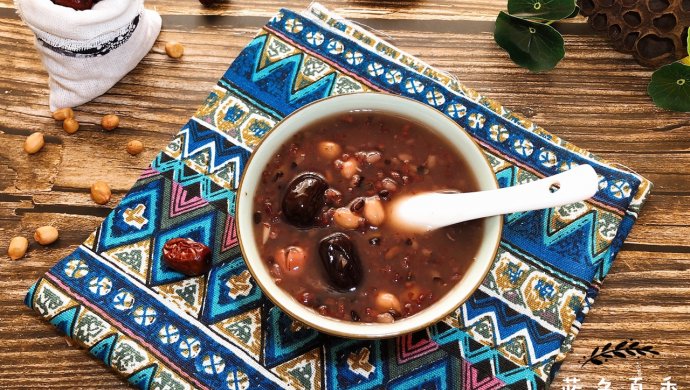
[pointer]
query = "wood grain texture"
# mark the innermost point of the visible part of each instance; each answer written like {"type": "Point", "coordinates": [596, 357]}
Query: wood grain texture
{"type": "Point", "coordinates": [392, 9]}
{"type": "Point", "coordinates": [596, 98]}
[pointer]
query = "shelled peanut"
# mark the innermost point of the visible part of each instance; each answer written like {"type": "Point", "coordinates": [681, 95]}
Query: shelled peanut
{"type": "Point", "coordinates": [134, 147]}
{"type": "Point", "coordinates": [100, 192]}
{"type": "Point", "coordinates": [110, 122]}
{"type": "Point", "coordinates": [46, 235]}
{"type": "Point", "coordinates": [34, 143]}
{"type": "Point", "coordinates": [17, 248]}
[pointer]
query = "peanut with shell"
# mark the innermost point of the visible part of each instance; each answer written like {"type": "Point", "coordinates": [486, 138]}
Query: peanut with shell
{"type": "Point", "coordinates": [17, 248]}
{"type": "Point", "coordinates": [46, 235]}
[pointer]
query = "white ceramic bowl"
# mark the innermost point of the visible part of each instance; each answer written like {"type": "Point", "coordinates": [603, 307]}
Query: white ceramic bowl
{"type": "Point", "coordinates": [399, 106]}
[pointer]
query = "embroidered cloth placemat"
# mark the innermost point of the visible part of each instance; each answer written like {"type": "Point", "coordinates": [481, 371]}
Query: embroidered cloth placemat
{"type": "Point", "coordinates": [162, 330]}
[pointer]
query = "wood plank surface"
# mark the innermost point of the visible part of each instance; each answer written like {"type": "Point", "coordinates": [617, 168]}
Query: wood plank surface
{"type": "Point", "coordinates": [596, 98]}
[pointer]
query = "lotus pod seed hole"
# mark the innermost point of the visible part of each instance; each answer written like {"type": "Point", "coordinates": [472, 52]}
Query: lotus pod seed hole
{"type": "Point", "coordinates": [599, 21]}
{"type": "Point", "coordinates": [666, 22]}
{"type": "Point", "coordinates": [632, 18]}
{"type": "Point", "coordinates": [658, 5]}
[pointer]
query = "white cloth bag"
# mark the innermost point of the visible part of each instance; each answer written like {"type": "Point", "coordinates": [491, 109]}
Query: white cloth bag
{"type": "Point", "coordinates": [87, 52]}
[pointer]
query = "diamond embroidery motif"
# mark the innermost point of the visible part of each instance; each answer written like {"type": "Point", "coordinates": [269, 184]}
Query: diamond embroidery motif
{"type": "Point", "coordinates": [135, 217]}
{"type": "Point", "coordinates": [239, 285]}
{"type": "Point", "coordinates": [358, 362]}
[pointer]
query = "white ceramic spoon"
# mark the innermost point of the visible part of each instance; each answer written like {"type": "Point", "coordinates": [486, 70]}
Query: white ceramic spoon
{"type": "Point", "coordinates": [432, 210]}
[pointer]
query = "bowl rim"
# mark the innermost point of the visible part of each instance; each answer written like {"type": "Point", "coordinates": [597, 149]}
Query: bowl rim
{"type": "Point", "coordinates": [382, 333]}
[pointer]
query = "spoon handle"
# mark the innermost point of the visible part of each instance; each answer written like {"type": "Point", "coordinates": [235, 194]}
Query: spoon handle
{"type": "Point", "coordinates": [434, 210]}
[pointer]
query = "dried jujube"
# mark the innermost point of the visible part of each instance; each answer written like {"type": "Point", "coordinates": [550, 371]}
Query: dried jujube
{"type": "Point", "coordinates": [304, 199]}
{"type": "Point", "coordinates": [340, 261]}
{"type": "Point", "coordinates": [187, 256]}
{"type": "Point", "coordinates": [79, 5]}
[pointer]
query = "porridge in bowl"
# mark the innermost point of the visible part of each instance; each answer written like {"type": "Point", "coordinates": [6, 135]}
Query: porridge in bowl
{"type": "Point", "coordinates": [319, 217]}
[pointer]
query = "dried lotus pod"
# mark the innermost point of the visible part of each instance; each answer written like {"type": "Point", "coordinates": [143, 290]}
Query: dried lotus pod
{"type": "Point", "coordinates": [653, 31]}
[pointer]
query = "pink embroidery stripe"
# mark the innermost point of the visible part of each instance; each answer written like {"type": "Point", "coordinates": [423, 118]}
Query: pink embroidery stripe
{"type": "Point", "coordinates": [471, 381]}
{"type": "Point", "coordinates": [407, 351]}
{"type": "Point", "coordinates": [148, 172]}
{"type": "Point", "coordinates": [230, 235]}
{"type": "Point", "coordinates": [180, 204]}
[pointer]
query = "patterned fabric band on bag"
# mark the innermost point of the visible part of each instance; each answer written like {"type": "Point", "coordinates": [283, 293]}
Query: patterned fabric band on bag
{"type": "Point", "coordinates": [159, 328]}
{"type": "Point", "coordinates": [93, 48]}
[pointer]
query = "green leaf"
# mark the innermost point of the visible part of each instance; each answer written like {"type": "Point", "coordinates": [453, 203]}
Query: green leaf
{"type": "Point", "coordinates": [541, 9]}
{"type": "Point", "coordinates": [670, 87]}
{"type": "Point", "coordinates": [574, 14]}
{"type": "Point", "coordinates": [687, 46]}
{"type": "Point", "coordinates": [532, 45]}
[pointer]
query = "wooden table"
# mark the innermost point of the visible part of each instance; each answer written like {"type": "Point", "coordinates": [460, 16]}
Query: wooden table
{"type": "Point", "coordinates": [596, 98]}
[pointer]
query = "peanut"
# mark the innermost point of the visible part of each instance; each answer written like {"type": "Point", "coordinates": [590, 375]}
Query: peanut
{"type": "Point", "coordinates": [373, 157]}
{"type": "Point", "coordinates": [373, 211]}
{"type": "Point", "coordinates": [17, 248]}
{"type": "Point", "coordinates": [386, 301]}
{"type": "Point", "coordinates": [70, 125]}
{"type": "Point", "coordinates": [34, 143]}
{"type": "Point", "coordinates": [329, 150]}
{"type": "Point", "coordinates": [134, 147]}
{"type": "Point", "coordinates": [431, 161]}
{"type": "Point", "coordinates": [46, 235]}
{"type": "Point", "coordinates": [405, 157]}
{"type": "Point", "coordinates": [174, 49]}
{"type": "Point", "coordinates": [385, 318]}
{"type": "Point", "coordinates": [389, 184]}
{"type": "Point", "coordinates": [110, 122]}
{"type": "Point", "coordinates": [346, 219]}
{"type": "Point", "coordinates": [291, 259]}
{"type": "Point", "coordinates": [349, 168]}
{"type": "Point", "coordinates": [100, 192]}
{"type": "Point", "coordinates": [63, 113]}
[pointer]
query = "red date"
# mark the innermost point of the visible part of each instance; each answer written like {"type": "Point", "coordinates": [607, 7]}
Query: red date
{"type": "Point", "coordinates": [79, 5]}
{"type": "Point", "coordinates": [187, 256]}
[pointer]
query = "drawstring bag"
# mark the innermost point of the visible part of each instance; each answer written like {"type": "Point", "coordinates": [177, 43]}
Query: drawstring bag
{"type": "Point", "coordinates": [87, 52]}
